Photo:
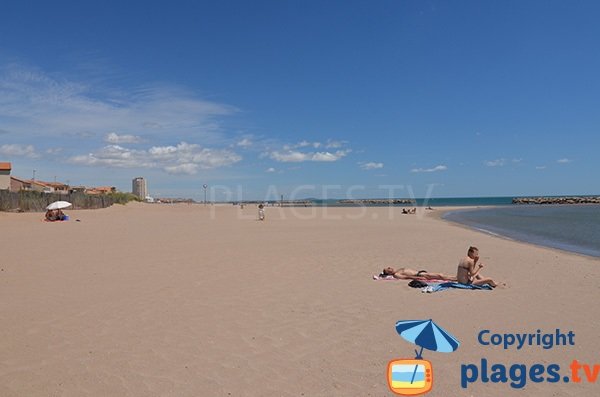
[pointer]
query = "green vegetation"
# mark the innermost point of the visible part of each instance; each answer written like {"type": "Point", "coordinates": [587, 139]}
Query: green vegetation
{"type": "Point", "coordinates": [123, 198]}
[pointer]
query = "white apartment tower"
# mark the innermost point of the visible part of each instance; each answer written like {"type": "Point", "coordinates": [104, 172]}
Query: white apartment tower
{"type": "Point", "coordinates": [139, 188]}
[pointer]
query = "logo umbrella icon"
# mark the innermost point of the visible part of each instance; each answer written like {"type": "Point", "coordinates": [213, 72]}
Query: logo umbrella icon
{"type": "Point", "coordinates": [413, 377]}
{"type": "Point", "coordinates": [428, 335]}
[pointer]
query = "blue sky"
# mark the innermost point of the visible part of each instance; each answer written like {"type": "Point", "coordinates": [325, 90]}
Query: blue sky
{"type": "Point", "coordinates": [304, 98]}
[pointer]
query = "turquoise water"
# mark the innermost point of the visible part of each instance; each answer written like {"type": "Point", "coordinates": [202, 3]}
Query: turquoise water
{"type": "Point", "coordinates": [574, 228]}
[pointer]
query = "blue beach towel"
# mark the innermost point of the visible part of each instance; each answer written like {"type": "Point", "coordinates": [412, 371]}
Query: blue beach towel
{"type": "Point", "coordinates": [445, 286]}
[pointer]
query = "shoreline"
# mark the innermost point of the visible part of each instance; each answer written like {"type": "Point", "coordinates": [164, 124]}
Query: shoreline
{"type": "Point", "coordinates": [557, 246]}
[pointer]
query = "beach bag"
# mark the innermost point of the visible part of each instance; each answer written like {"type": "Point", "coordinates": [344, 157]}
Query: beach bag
{"type": "Point", "coordinates": [417, 284]}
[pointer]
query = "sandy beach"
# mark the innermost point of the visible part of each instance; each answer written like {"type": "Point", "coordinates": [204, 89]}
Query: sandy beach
{"type": "Point", "coordinates": [193, 300]}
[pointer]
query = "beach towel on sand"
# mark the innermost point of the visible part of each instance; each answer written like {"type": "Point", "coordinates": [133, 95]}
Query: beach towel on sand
{"type": "Point", "coordinates": [392, 278]}
{"type": "Point", "coordinates": [445, 286]}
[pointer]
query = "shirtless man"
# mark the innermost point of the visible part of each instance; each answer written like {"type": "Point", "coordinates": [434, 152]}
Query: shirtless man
{"type": "Point", "coordinates": [468, 270]}
{"type": "Point", "coordinates": [409, 274]}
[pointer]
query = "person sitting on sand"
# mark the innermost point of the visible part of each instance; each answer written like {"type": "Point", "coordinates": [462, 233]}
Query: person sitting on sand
{"type": "Point", "coordinates": [405, 273]}
{"type": "Point", "coordinates": [468, 270]}
{"type": "Point", "coordinates": [55, 215]}
{"type": "Point", "coordinates": [51, 215]}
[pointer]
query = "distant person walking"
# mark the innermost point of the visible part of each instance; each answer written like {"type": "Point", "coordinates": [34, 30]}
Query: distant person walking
{"type": "Point", "coordinates": [261, 212]}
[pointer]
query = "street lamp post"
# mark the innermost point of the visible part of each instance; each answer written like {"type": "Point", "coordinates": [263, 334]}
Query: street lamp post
{"type": "Point", "coordinates": [205, 186]}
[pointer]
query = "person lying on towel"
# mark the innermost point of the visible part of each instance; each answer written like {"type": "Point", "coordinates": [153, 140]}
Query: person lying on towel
{"type": "Point", "coordinates": [405, 273]}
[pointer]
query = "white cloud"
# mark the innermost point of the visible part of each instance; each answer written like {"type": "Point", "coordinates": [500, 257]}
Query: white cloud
{"type": "Point", "coordinates": [184, 158]}
{"type": "Point", "coordinates": [270, 169]}
{"type": "Point", "coordinates": [116, 139]}
{"type": "Point", "coordinates": [434, 169]}
{"type": "Point", "coordinates": [334, 144]}
{"type": "Point", "coordinates": [18, 150]}
{"type": "Point", "coordinates": [495, 163]}
{"type": "Point", "coordinates": [289, 157]}
{"type": "Point", "coordinates": [330, 144]}
{"type": "Point", "coordinates": [244, 143]}
{"type": "Point", "coordinates": [327, 156]}
{"type": "Point", "coordinates": [304, 151]}
{"type": "Point", "coordinates": [114, 156]}
{"type": "Point", "coordinates": [33, 104]}
{"type": "Point", "coordinates": [306, 143]}
{"type": "Point", "coordinates": [188, 169]}
{"type": "Point", "coordinates": [563, 161]}
{"type": "Point", "coordinates": [540, 167]}
{"type": "Point", "coordinates": [371, 166]}
{"type": "Point", "coordinates": [292, 156]}
{"type": "Point", "coordinates": [54, 151]}
{"type": "Point", "coordinates": [163, 152]}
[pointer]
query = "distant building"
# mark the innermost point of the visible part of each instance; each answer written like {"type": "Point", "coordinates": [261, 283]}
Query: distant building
{"type": "Point", "coordinates": [139, 187]}
{"type": "Point", "coordinates": [58, 187]}
{"type": "Point", "coordinates": [17, 184]}
{"type": "Point", "coordinates": [5, 176]}
{"type": "Point", "coordinates": [101, 190]}
{"type": "Point", "coordinates": [77, 189]}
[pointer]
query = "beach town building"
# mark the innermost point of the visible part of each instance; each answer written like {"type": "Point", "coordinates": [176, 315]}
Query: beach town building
{"type": "Point", "coordinates": [101, 190]}
{"type": "Point", "coordinates": [5, 176]}
{"type": "Point", "coordinates": [58, 187]}
{"type": "Point", "coordinates": [77, 189]}
{"type": "Point", "coordinates": [139, 187]}
{"type": "Point", "coordinates": [17, 184]}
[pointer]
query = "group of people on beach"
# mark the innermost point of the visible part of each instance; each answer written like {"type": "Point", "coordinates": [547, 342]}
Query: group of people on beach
{"type": "Point", "coordinates": [468, 272]}
{"type": "Point", "coordinates": [55, 215]}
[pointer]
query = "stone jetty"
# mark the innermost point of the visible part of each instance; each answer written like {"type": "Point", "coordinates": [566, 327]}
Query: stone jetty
{"type": "Point", "coordinates": [557, 200]}
{"type": "Point", "coordinates": [378, 201]}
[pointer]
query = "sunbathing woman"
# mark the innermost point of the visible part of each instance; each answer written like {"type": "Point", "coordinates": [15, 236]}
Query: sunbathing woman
{"type": "Point", "coordinates": [405, 273]}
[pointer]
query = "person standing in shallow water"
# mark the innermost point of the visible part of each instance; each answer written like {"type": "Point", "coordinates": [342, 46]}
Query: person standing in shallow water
{"type": "Point", "coordinates": [261, 212]}
{"type": "Point", "coordinates": [468, 270]}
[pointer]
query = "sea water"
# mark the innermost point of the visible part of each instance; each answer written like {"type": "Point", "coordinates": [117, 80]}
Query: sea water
{"type": "Point", "coordinates": [574, 228]}
{"type": "Point", "coordinates": [425, 202]}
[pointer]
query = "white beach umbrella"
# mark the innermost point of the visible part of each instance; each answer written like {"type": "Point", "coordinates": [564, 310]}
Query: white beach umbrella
{"type": "Point", "coordinates": [58, 205]}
